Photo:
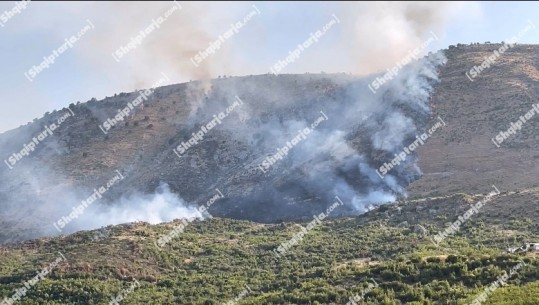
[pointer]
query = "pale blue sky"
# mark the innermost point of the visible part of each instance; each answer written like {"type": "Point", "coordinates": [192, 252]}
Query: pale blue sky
{"type": "Point", "coordinates": [88, 69]}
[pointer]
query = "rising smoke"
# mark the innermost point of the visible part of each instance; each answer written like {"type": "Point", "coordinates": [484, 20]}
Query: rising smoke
{"type": "Point", "coordinates": [370, 37]}
{"type": "Point", "coordinates": [338, 157]}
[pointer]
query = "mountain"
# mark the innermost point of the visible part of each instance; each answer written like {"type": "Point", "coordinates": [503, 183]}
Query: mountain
{"type": "Point", "coordinates": [462, 156]}
{"type": "Point", "coordinates": [358, 132]}
{"type": "Point", "coordinates": [275, 146]}
{"type": "Point", "coordinates": [178, 203]}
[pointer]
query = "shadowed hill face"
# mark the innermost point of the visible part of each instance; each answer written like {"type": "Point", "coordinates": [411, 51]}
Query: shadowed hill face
{"type": "Point", "coordinates": [357, 132]}
{"type": "Point", "coordinates": [462, 155]}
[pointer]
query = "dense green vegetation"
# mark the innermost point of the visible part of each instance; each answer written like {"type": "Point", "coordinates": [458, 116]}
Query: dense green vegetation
{"type": "Point", "coordinates": [213, 261]}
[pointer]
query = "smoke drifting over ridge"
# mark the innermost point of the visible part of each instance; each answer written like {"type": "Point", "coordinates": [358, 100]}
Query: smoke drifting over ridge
{"type": "Point", "coordinates": [337, 158]}
{"type": "Point", "coordinates": [362, 131]}
{"type": "Point", "coordinates": [161, 206]}
{"type": "Point", "coordinates": [370, 37]}
{"type": "Point", "coordinates": [361, 44]}
{"type": "Point", "coordinates": [47, 206]}
{"type": "Point", "coordinates": [383, 33]}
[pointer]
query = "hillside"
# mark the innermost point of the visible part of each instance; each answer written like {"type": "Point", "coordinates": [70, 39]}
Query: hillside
{"type": "Point", "coordinates": [338, 160]}
{"type": "Point", "coordinates": [245, 249]}
{"type": "Point", "coordinates": [214, 261]}
{"type": "Point", "coordinates": [461, 156]}
{"type": "Point", "coordinates": [333, 153]}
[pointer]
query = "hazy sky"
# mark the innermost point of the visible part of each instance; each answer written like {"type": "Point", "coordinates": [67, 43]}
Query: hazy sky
{"type": "Point", "coordinates": [368, 37]}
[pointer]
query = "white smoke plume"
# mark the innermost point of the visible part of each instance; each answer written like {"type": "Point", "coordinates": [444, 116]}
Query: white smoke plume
{"type": "Point", "coordinates": [370, 37]}
{"type": "Point", "coordinates": [337, 158]}
{"type": "Point", "coordinates": [51, 202]}
{"type": "Point", "coordinates": [330, 162]}
{"type": "Point", "coordinates": [161, 206]}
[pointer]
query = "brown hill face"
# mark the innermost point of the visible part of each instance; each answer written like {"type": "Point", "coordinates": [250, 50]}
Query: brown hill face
{"type": "Point", "coordinates": [461, 157]}
{"type": "Point", "coordinates": [357, 132]}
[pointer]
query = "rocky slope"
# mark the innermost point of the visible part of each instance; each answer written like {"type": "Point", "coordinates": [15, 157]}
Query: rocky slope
{"type": "Point", "coordinates": [362, 131]}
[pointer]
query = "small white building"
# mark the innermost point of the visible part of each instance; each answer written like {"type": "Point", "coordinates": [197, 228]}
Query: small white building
{"type": "Point", "coordinates": [525, 248]}
{"type": "Point", "coordinates": [512, 250]}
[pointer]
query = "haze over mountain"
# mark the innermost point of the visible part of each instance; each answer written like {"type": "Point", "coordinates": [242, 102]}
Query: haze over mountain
{"type": "Point", "coordinates": [242, 156]}
{"type": "Point", "coordinates": [269, 153]}
{"type": "Point", "coordinates": [357, 132]}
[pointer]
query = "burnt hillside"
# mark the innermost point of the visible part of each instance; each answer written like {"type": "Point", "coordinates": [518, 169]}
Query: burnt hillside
{"type": "Point", "coordinates": [338, 158]}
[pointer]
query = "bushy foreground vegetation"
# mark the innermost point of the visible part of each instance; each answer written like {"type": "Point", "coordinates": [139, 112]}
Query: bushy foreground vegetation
{"type": "Point", "coordinates": [222, 260]}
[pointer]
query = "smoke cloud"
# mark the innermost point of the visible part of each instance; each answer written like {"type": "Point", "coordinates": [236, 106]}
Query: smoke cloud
{"type": "Point", "coordinates": [356, 132]}
{"type": "Point", "coordinates": [371, 37]}
{"type": "Point", "coordinates": [161, 206]}
{"type": "Point", "coordinates": [36, 209]}
{"type": "Point", "coordinates": [337, 158]}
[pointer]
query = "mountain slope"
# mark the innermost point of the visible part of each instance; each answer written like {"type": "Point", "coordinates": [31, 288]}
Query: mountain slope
{"type": "Point", "coordinates": [362, 131]}
{"type": "Point", "coordinates": [214, 261]}
{"type": "Point", "coordinates": [462, 156]}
